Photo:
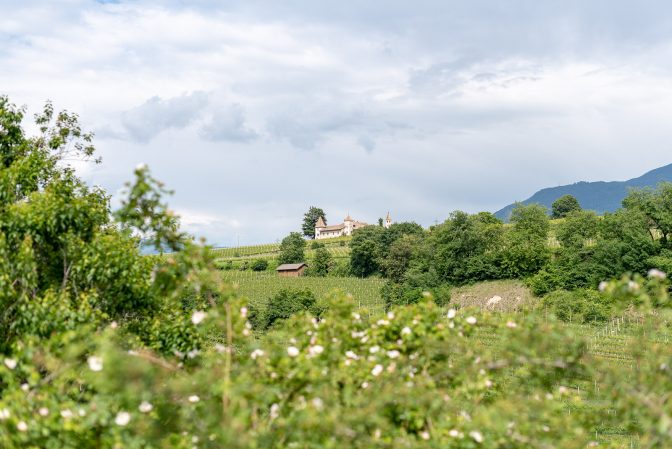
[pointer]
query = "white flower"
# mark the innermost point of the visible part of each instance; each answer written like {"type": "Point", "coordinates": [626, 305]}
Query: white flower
{"type": "Point", "coordinates": [315, 350]}
{"type": "Point", "coordinates": [66, 414]}
{"type": "Point", "coordinates": [122, 418]}
{"type": "Point", "coordinates": [25, 387]}
{"type": "Point", "coordinates": [243, 312]}
{"type": "Point", "coordinates": [633, 286]}
{"type": "Point", "coordinates": [145, 407]}
{"type": "Point", "coordinates": [141, 166]}
{"type": "Point", "coordinates": [471, 320]}
{"type": "Point", "coordinates": [256, 353]}
{"type": "Point", "coordinates": [476, 435]}
{"type": "Point", "coordinates": [351, 355]}
{"type": "Point", "coordinates": [198, 316]}
{"type": "Point", "coordinates": [377, 370]}
{"type": "Point", "coordinates": [292, 351]}
{"type": "Point", "coordinates": [424, 435]}
{"type": "Point", "coordinates": [95, 363]}
{"type": "Point", "coordinates": [511, 324]}
{"type": "Point", "coordinates": [114, 325]}
{"type": "Point", "coordinates": [356, 316]}
{"type": "Point", "coordinates": [275, 411]}
{"type": "Point", "coordinates": [382, 322]}
{"type": "Point", "coordinates": [365, 385]}
{"type": "Point", "coordinates": [220, 347]}
{"type": "Point", "coordinates": [406, 331]}
{"type": "Point", "coordinates": [603, 286]}
{"type": "Point", "coordinates": [393, 354]}
{"type": "Point", "coordinates": [390, 315]}
{"type": "Point", "coordinates": [22, 426]}
{"type": "Point", "coordinates": [452, 313]}
{"type": "Point", "coordinates": [81, 412]}
{"type": "Point", "coordinates": [317, 403]}
{"type": "Point", "coordinates": [654, 273]}
{"type": "Point", "coordinates": [4, 414]}
{"type": "Point", "coordinates": [10, 363]}
{"type": "Point", "coordinates": [374, 349]}
{"type": "Point", "coordinates": [43, 411]}
{"type": "Point", "coordinates": [454, 433]}
{"type": "Point", "coordinates": [193, 398]}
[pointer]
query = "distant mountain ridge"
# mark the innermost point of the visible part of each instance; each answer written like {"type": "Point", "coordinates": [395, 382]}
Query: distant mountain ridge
{"type": "Point", "coordinates": [599, 196]}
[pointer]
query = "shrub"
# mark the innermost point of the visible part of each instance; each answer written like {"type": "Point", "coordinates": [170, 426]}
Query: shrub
{"type": "Point", "coordinates": [286, 303]}
{"type": "Point", "coordinates": [259, 265]}
{"type": "Point", "coordinates": [578, 306]}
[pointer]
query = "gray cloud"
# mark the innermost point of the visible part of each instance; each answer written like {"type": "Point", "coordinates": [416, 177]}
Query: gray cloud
{"type": "Point", "coordinates": [155, 115]}
{"type": "Point", "coordinates": [227, 124]}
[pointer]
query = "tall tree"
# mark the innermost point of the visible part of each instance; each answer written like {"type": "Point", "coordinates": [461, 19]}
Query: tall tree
{"type": "Point", "coordinates": [564, 205]}
{"type": "Point", "coordinates": [310, 219]}
{"type": "Point", "coordinates": [656, 205]}
{"type": "Point", "coordinates": [292, 249]}
{"type": "Point", "coordinates": [321, 262]}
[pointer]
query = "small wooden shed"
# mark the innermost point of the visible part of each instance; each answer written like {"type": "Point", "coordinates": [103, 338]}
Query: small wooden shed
{"type": "Point", "coordinates": [291, 269]}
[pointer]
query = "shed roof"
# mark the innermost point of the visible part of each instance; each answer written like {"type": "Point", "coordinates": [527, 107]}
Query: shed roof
{"type": "Point", "coordinates": [290, 266]}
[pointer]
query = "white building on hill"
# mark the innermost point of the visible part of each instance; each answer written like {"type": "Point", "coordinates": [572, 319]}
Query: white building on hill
{"type": "Point", "coordinates": [322, 231]}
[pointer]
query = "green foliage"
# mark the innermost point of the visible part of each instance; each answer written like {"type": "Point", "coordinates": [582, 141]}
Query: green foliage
{"type": "Point", "coordinates": [564, 205]}
{"type": "Point", "coordinates": [465, 247]}
{"type": "Point", "coordinates": [365, 249]}
{"type": "Point", "coordinates": [310, 220]}
{"type": "Point", "coordinates": [578, 228]}
{"type": "Point", "coordinates": [259, 265]}
{"type": "Point", "coordinates": [285, 304]}
{"type": "Point", "coordinates": [526, 244]}
{"type": "Point", "coordinates": [292, 249]}
{"type": "Point", "coordinates": [656, 205]}
{"type": "Point", "coordinates": [370, 246]}
{"type": "Point", "coordinates": [322, 262]}
{"type": "Point", "coordinates": [578, 306]}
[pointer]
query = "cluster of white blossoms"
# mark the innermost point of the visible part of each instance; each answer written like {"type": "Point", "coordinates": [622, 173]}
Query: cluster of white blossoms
{"type": "Point", "coordinates": [10, 363]}
{"type": "Point", "coordinates": [145, 407]}
{"type": "Point", "coordinates": [315, 350]}
{"type": "Point", "coordinates": [194, 399]}
{"type": "Point", "coordinates": [95, 363]}
{"type": "Point", "coordinates": [377, 370]}
{"type": "Point", "coordinates": [122, 418]}
{"type": "Point", "coordinates": [657, 274]}
{"type": "Point", "coordinates": [256, 353]}
{"type": "Point", "coordinates": [292, 351]}
{"type": "Point", "coordinates": [198, 316]}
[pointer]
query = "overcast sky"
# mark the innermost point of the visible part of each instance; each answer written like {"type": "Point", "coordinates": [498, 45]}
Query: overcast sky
{"type": "Point", "coordinates": [252, 111]}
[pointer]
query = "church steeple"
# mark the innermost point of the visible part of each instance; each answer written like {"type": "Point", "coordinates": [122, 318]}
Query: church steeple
{"type": "Point", "coordinates": [388, 220]}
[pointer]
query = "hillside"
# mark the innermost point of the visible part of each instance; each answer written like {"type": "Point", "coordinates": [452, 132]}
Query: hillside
{"type": "Point", "coordinates": [599, 196]}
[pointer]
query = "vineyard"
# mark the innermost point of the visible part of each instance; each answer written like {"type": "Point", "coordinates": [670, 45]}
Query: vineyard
{"type": "Point", "coordinates": [610, 342]}
{"type": "Point", "coordinates": [337, 247]}
{"type": "Point", "coordinates": [260, 287]}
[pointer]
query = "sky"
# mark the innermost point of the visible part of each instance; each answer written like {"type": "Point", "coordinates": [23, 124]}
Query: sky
{"type": "Point", "coordinates": [253, 111]}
